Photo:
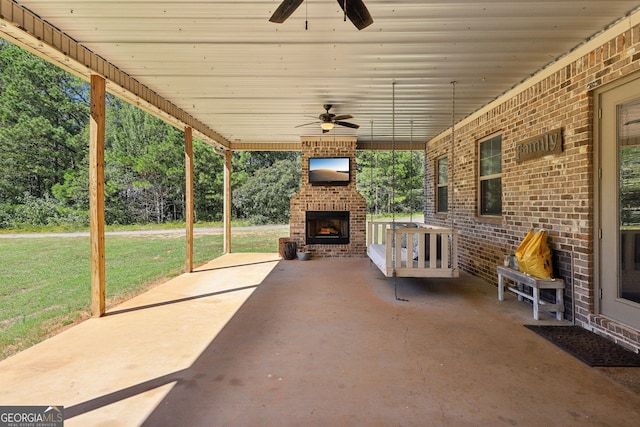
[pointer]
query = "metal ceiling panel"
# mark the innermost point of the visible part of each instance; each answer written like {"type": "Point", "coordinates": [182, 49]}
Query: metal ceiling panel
{"type": "Point", "coordinates": [251, 80]}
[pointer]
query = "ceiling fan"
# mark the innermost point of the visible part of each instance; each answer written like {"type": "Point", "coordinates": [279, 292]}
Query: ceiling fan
{"type": "Point", "coordinates": [355, 10]}
{"type": "Point", "coordinates": [329, 120]}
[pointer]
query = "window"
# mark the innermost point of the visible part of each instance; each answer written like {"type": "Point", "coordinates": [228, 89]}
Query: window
{"type": "Point", "coordinates": [490, 179]}
{"type": "Point", "coordinates": [442, 185]}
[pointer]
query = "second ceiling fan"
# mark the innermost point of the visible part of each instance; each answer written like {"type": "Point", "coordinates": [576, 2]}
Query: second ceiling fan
{"type": "Point", "coordinates": [355, 10]}
{"type": "Point", "coordinates": [329, 120]}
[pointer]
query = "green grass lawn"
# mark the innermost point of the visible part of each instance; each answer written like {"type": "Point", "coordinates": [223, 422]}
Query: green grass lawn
{"type": "Point", "coordinates": [45, 282]}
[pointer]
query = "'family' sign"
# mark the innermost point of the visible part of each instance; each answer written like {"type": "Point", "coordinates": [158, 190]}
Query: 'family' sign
{"type": "Point", "coordinates": [539, 146]}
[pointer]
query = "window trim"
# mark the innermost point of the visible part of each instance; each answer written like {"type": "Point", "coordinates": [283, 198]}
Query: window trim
{"type": "Point", "coordinates": [482, 178]}
{"type": "Point", "coordinates": [439, 185]}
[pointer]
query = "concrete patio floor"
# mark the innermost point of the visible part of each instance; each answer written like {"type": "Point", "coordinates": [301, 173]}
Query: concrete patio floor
{"type": "Point", "coordinates": [249, 340]}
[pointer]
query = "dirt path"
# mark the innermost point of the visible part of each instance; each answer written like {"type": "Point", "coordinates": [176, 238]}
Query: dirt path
{"type": "Point", "coordinates": [203, 230]}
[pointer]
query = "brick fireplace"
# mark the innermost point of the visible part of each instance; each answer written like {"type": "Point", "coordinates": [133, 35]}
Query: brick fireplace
{"type": "Point", "coordinates": [329, 220]}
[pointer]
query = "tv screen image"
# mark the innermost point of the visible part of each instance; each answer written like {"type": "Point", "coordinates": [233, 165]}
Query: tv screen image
{"type": "Point", "coordinates": [329, 170]}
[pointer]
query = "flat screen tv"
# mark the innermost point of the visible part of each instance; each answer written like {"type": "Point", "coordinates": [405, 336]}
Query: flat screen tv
{"type": "Point", "coordinates": [329, 170]}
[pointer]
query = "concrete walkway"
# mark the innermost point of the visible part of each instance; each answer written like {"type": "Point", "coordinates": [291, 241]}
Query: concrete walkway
{"type": "Point", "coordinates": [250, 341]}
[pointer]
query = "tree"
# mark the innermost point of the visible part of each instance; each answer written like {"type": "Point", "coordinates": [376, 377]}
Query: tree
{"type": "Point", "coordinates": [208, 182]}
{"type": "Point", "coordinates": [144, 162]}
{"type": "Point", "coordinates": [264, 197]}
{"type": "Point", "coordinates": [43, 112]}
{"type": "Point", "coordinates": [390, 181]}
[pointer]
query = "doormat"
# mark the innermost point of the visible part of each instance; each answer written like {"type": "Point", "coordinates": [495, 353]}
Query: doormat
{"type": "Point", "coordinates": [590, 348]}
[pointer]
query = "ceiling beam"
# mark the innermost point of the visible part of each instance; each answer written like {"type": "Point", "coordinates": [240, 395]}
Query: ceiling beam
{"type": "Point", "coordinates": [27, 30]}
{"type": "Point", "coordinates": [390, 146]}
{"type": "Point", "coordinates": [265, 146]}
{"type": "Point", "coordinates": [297, 146]}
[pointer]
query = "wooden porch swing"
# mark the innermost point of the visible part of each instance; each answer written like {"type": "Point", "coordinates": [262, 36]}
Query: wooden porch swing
{"type": "Point", "coordinates": [412, 249]}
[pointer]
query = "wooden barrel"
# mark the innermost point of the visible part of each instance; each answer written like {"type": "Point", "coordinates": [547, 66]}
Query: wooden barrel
{"type": "Point", "coordinates": [282, 240]}
{"type": "Point", "coordinates": [289, 250]}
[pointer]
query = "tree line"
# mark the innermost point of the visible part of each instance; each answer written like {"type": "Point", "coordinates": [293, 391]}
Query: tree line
{"type": "Point", "coordinates": [44, 138]}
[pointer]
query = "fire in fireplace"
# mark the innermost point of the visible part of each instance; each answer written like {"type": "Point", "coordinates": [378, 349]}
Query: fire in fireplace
{"type": "Point", "coordinates": [327, 227]}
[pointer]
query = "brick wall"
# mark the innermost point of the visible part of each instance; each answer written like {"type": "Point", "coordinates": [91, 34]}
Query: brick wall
{"type": "Point", "coordinates": [329, 198]}
{"type": "Point", "coordinates": [555, 192]}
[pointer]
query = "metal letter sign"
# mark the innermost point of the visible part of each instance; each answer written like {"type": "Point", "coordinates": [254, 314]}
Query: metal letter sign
{"type": "Point", "coordinates": [539, 146]}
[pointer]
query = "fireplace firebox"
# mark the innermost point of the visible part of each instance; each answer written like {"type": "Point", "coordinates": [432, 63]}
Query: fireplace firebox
{"type": "Point", "coordinates": [327, 227]}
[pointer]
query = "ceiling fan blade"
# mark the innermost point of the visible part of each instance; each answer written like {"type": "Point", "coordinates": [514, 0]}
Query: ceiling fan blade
{"type": "Point", "coordinates": [286, 8]}
{"type": "Point", "coordinates": [347, 124]}
{"type": "Point", "coordinates": [343, 117]}
{"type": "Point", "coordinates": [307, 124]}
{"type": "Point", "coordinates": [357, 13]}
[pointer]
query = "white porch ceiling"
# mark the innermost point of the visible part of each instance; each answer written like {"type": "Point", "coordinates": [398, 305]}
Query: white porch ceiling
{"type": "Point", "coordinates": [254, 81]}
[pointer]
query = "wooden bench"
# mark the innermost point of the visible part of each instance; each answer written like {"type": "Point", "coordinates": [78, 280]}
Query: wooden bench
{"type": "Point", "coordinates": [534, 284]}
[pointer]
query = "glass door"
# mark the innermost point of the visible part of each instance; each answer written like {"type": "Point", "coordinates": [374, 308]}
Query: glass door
{"type": "Point", "coordinates": [619, 210]}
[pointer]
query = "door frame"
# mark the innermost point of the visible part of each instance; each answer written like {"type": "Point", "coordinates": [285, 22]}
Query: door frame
{"type": "Point", "coordinates": [598, 190]}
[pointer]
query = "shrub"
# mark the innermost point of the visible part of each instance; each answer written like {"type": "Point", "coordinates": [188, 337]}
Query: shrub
{"type": "Point", "coordinates": [37, 211]}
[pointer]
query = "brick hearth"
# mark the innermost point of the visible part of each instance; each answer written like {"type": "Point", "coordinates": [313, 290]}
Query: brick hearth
{"type": "Point", "coordinates": [329, 198]}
